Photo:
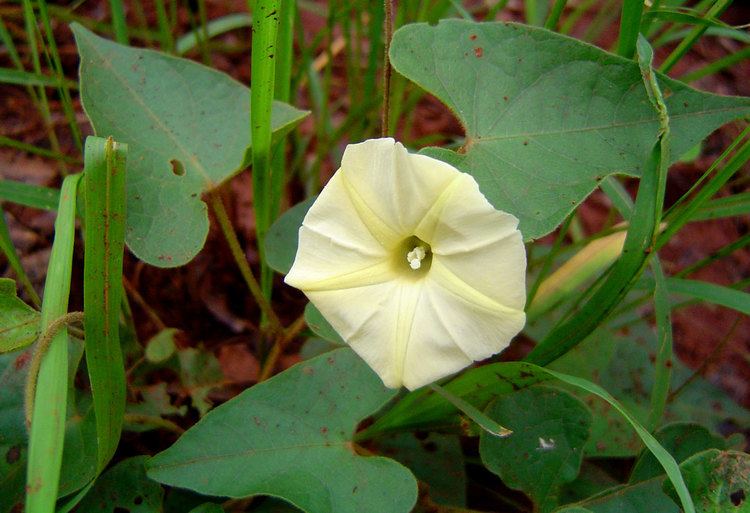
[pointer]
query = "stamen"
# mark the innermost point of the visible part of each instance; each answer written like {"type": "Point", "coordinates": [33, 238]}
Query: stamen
{"type": "Point", "coordinates": [415, 257]}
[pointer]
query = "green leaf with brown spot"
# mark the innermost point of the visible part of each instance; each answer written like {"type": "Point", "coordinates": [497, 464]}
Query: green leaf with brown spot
{"type": "Point", "coordinates": [292, 437]}
{"type": "Point", "coordinates": [187, 129]}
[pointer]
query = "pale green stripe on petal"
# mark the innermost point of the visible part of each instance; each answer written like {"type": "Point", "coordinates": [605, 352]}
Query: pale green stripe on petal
{"type": "Point", "coordinates": [380, 272]}
{"type": "Point", "coordinates": [442, 276]}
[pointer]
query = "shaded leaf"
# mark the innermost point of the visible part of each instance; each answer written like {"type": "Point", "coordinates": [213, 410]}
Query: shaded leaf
{"type": "Point", "coordinates": [19, 323]}
{"type": "Point", "coordinates": [719, 481]}
{"type": "Point", "coordinates": [320, 326]}
{"type": "Point", "coordinates": [436, 460]}
{"type": "Point", "coordinates": [161, 346]}
{"type": "Point", "coordinates": [283, 237]}
{"type": "Point", "coordinates": [550, 428]}
{"type": "Point", "coordinates": [124, 487]}
{"type": "Point", "coordinates": [682, 440]}
{"type": "Point", "coordinates": [291, 437]}
{"type": "Point", "coordinates": [546, 117]}
{"type": "Point", "coordinates": [187, 130]}
{"type": "Point", "coordinates": [200, 372]}
{"type": "Point", "coordinates": [644, 497]}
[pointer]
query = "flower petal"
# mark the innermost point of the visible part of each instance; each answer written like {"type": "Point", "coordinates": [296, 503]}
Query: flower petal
{"type": "Point", "coordinates": [398, 187]}
{"type": "Point", "coordinates": [478, 244]}
{"type": "Point", "coordinates": [377, 322]}
{"type": "Point", "coordinates": [336, 248]}
{"type": "Point", "coordinates": [477, 325]}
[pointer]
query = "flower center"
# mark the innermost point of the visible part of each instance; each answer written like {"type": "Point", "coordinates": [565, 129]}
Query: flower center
{"type": "Point", "coordinates": [413, 257]}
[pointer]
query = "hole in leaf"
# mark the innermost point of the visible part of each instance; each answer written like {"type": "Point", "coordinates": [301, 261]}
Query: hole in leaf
{"type": "Point", "coordinates": [177, 168]}
{"type": "Point", "coordinates": [138, 500]}
{"type": "Point", "coordinates": [737, 497]}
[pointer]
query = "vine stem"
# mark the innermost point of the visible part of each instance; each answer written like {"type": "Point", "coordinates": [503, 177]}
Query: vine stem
{"type": "Point", "coordinates": [388, 26]}
{"type": "Point", "coordinates": [239, 257]}
{"type": "Point", "coordinates": [273, 357]}
{"type": "Point", "coordinates": [36, 360]}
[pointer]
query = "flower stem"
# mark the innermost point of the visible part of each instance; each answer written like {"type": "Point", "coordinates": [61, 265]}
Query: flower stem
{"type": "Point", "coordinates": [239, 257]}
{"type": "Point", "coordinates": [273, 357]}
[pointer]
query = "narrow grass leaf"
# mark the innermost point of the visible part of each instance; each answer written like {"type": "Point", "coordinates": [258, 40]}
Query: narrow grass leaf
{"type": "Point", "coordinates": [216, 27]}
{"type": "Point", "coordinates": [9, 250]}
{"type": "Point", "coordinates": [630, 24]}
{"type": "Point", "coordinates": [711, 293]}
{"type": "Point", "coordinates": [104, 182]}
{"type": "Point", "coordinates": [660, 453]}
{"type": "Point", "coordinates": [265, 29]}
{"type": "Point", "coordinates": [482, 420]}
{"type": "Point", "coordinates": [119, 23]}
{"type": "Point", "coordinates": [28, 78]}
{"type": "Point", "coordinates": [678, 53]}
{"type": "Point", "coordinates": [663, 362]}
{"type": "Point", "coordinates": [48, 420]}
{"type": "Point", "coordinates": [35, 196]}
{"type": "Point", "coordinates": [644, 223]}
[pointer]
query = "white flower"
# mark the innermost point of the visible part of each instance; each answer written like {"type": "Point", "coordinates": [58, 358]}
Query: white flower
{"type": "Point", "coordinates": [411, 265]}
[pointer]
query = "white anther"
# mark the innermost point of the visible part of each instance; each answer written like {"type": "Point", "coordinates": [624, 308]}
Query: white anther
{"type": "Point", "coordinates": [415, 257]}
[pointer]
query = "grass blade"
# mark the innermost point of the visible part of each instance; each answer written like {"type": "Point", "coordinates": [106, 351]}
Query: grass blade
{"type": "Point", "coordinates": [63, 90]}
{"type": "Point", "coordinates": [9, 250]}
{"type": "Point", "coordinates": [265, 29]}
{"type": "Point", "coordinates": [711, 293]}
{"type": "Point", "coordinates": [638, 242]}
{"type": "Point", "coordinates": [48, 424]}
{"type": "Point", "coordinates": [473, 413]}
{"type": "Point", "coordinates": [686, 44]}
{"type": "Point", "coordinates": [663, 363]}
{"type": "Point", "coordinates": [104, 182]}
{"type": "Point", "coordinates": [213, 28]}
{"type": "Point", "coordinates": [554, 16]}
{"type": "Point", "coordinates": [27, 78]}
{"type": "Point", "coordinates": [34, 196]}
{"type": "Point", "coordinates": [665, 459]}
{"type": "Point", "coordinates": [119, 23]}
{"type": "Point", "coordinates": [630, 24]}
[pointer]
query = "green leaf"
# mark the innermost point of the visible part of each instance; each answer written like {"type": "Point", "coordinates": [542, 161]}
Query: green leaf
{"type": "Point", "coordinates": [283, 236]}
{"type": "Point", "coordinates": [291, 437]}
{"type": "Point", "coordinates": [719, 481]}
{"type": "Point", "coordinates": [47, 433]}
{"type": "Point", "coordinates": [200, 372]}
{"type": "Point", "coordinates": [644, 497]}
{"type": "Point", "coordinates": [187, 131]}
{"type": "Point", "coordinates": [19, 323]}
{"type": "Point", "coordinates": [124, 487]}
{"type": "Point", "coordinates": [592, 480]}
{"type": "Point", "coordinates": [711, 292]}
{"type": "Point", "coordinates": [28, 195]}
{"type": "Point", "coordinates": [161, 346]}
{"type": "Point", "coordinates": [320, 326]}
{"type": "Point", "coordinates": [682, 440]}
{"type": "Point", "coordinates": [79, 454]}
{"type": "Point", "coordinates": [104, 184]}
{"type": "Point", "coordinates": [621, 363]}
{"type": "Point", "coordinates": [436, 460]}
{"type": "Point", "coordinates": [550, 428]}
{"type": "Point", "coordinates": [547, 117]}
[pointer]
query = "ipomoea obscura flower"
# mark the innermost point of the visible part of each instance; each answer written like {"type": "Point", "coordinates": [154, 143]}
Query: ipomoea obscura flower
{"type": "Point", "coordinates": [411, 265]}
